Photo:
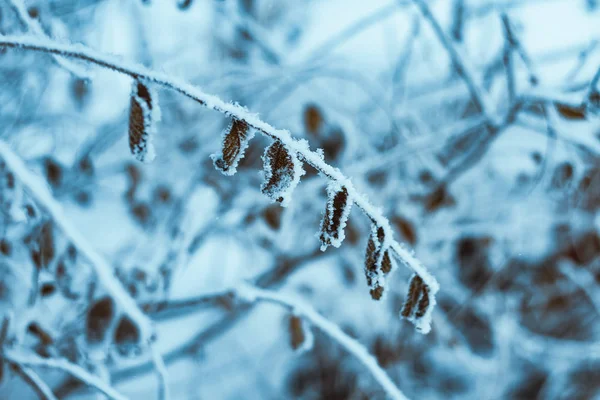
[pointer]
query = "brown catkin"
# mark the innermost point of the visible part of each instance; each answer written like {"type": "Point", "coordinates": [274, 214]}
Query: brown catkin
{"type": "Point", "coordinates": [296, 330]}
{"type": "Point", "coordinates": [414, 291]}
{"type": "Point", "coordinates": [281, 172]}
{"type": "Point", "coordinates": [423, 302]}
{"type": "Point", "coordinates": [235, 141]}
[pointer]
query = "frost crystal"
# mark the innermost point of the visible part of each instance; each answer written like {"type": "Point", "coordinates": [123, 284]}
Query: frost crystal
{"type": "Point", "coordinates": [378, 262]}
{"type": "Point", "coordinates": [282, 171]}
{"type": "Point", "coordinates": [336, 216]}
{"type": "Point", "coordinates": [143, 115]}
{"type": "Point", "coordinates": [235, 141]}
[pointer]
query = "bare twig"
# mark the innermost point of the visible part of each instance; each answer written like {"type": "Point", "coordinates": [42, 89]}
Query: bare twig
{"type": "Point", "coordinates": [233, 110]}
{"type": "Point", "coordinates": [459, 64]}
{"type": "Point", "coordinates": [32, 379]}
{"type": "Point", "coordinates": [32, 360]}
{"type": "Point", "coordinates": [38, 190]}
{"type": "Point", "coordinates": [252, 294]}
{"type": "Point", "coordinates": [163, 375]}
{"type": "Point", "coordinates": [35, 27]}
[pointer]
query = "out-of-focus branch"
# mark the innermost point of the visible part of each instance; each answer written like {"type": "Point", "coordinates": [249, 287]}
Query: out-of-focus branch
{"type": "Point", "coordinates": [38, 190]}
{"type": "Point", "coordinates": [301, 148]}
{"type": "Point", "coordinates": [32, 379]}
{"type": "Point", "coordinates": [32, 360]}
{"type": "Point", "coordinates": [459, 64]}
{"type": "Point", "coordinates": [252, 294]}
{"type": "Point", "coordinates": [35, 27]}
{"type": "Point", "coordinates": [163, 375]}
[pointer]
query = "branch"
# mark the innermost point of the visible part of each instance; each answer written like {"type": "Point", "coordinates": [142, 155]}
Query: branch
{"type": "Point", "coordinates": [301, 148]}
{"type": "Point", "coordinates": [38, 190]}
{"type": "Point", "coordinates": [32, 379]}
{"type": "Point", "coordinates": [35, 27]}
{"type": "Point", "coordinates": [163, 375]}
{"type": "Point", "coordinates": [32, 360]}
{"type": "Point", "coordinates": [459, 64]}
{"type": "Point", "coordinates": [252, 294]}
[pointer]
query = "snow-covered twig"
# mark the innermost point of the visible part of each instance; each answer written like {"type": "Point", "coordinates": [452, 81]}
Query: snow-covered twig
{"type": "Point", "coordinates": [163, 375]}
{"type": "Point", "coordinates": [252, 294]}
{"type": "Point", "coordinates": [38, 190]}
{"type": "Point", "coordinates": [35, 28]}
{"type": "Point", "coordinates": [460, 65]}
{"type": "Point", "coordinates": [300, 147]}
{"type": "Point", "coordinates": [33, 380]}
{"type": "Point", "coordinates": [32, 360]}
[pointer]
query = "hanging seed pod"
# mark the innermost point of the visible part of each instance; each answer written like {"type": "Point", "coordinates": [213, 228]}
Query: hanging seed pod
{"type": "Point", "coordinates": [127, 337]}
{"type": "Point", "coordinates": [412, 297]}
{"type": "Point", "coordinates": [99, 319]}
{"type": "Point", "coordinates": [418, 305]}
{"type": "Point", "coordinates": [377, 262]}
{"type": "Point", "coordinates": [301, 337]}
{"type": "Point", "coordinates": [235, 141]}
{"type": "Point", "coordinates": [335, 216]}
{"type": "Point", "coordinates": [143, 115]}
{"type": "Point", "coordinates": [282, 173]}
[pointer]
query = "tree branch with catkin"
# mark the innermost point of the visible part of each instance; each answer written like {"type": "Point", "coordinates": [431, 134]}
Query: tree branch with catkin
{"type": "Point", "coordinates": [283, 158]}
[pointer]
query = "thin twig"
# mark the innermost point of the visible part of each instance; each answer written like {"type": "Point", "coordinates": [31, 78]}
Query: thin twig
{"type": "Point", "coordinates": [32, 379]}
{"type": "Point", "coordinates": [251, 294]}
{"type": "Point", "coordinates": [35, 27]}
{"type": "Point", "coordinates": [37, 188]}
{"type": "Point", "coordinates": [459, 64]}
{"type": "Point", "coordinates": [233, 110]}
{"type": "Point", "coordinates": [32, 360]}
{"type": "Point", "coordinates": [509, 59]}
{"type": "Point", "coordinates": [163, 375]}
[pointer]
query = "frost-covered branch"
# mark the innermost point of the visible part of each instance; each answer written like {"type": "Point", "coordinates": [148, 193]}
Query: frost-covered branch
{"type": "Point", "coordinates": [299, 147]}
{"type": "Point", "coordinates": [32, 360]}
{"type": "Point", "coordinates": [252, 294]}
{"type": "Point", "coordinates": [38, 190]}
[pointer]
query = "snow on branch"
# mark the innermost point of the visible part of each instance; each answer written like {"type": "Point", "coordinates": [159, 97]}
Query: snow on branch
{"type": "Point", "coordinates": [298, 148]}
{"type": "Point", "coordinates": [304, 311]}
{"type": "Point", "coordinates": [38, 190]}
{"type": "Point", "coordinates": [33, 360]}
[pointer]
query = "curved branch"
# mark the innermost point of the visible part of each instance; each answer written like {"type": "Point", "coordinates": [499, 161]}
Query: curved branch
{"type": "Point", "coordinates": [32, 360]}
{"type": "Point", "coordinates": [38, 190]}
{"type": "Point", "coordinates": [300, 147]}
{"type": "Point", "coordinates": [252, 294]}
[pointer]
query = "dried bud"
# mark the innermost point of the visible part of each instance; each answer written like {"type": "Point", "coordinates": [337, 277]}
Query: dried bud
{"type": "Point", "coordinates": [99, 319]}
{"type": "Point", "coordinates": [143, 115]}
{"type": "Point", "coordinates": [42, 246]}
{"type": "Point", "coordinates": [235, 141]}
{"type": "Point", "coordinates": [335, 217]}
{"type": "Point", "coordinates": [414, 290]}
{"type": "Point", "coordinates": [378, 262]}
{"type": "Point", "coordinates": [301, 338]}
{"type": "Point", "coordinates": [282, 172]}
{"type": "Point", "coordinates": [127, 337]}
{"type": "Point", "coordinates": [418, 304]}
